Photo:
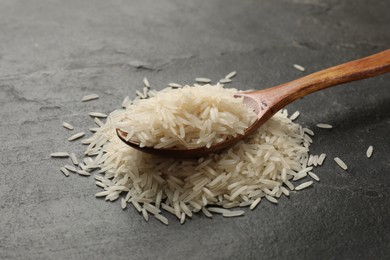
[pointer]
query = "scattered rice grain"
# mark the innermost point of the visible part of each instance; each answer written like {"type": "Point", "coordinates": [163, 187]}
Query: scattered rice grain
{"type": "Point", "coordinates": [64, 171]}
{"type": "Point", "coordinates": [59, 155]}
{"type": "Point", "coordinates": [231, 75]}
{"type": "Point", "coordinates": [369, 151]}
{"type": "Point", "coordinates": [304, 185]}
{"type": "Point", "coordinates": [325, 126]}
{"type": "Point", "coordinates": [76, 136]}
{"type": "Point", "coordinates": [203, 80]}
{"type": "Point", "coordinates": [67, 125]}
{"type": "Point", "coordinates": [97, 114]}
{"type": "Point", "coordinates": [341, 163]}
{"type": "Point", "coordinates": [299, 67]}
{"type": "Point", "coordinates": [90, 97]}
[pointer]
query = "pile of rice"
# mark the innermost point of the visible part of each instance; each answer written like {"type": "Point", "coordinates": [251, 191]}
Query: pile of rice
{"type": "Point", "coordinates": [264, 166]}
{"type": "Point", "coordinates": [189, 117]}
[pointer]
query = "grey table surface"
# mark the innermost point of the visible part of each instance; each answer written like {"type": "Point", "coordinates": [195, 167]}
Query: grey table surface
{"type": "Point", "coordinates": [54, 52]}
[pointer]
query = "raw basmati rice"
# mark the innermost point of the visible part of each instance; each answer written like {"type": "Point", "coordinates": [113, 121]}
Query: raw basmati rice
{"type": "Point", "coordinates": [74, 159]}
{"type": "Point", "coordinates": [218, 210]}
{"type": "Point", "coordinates": [163, 219]}
{"type": "Point", "coordinates": [60, 154]}
{"type": "Point", "coordinates": [254, 204]}
{"type": "Point", "coordinates": [299, 67]}
{"type": "Point", "coordinates": [308, 131]}
{"type": "Point", "coordinates": [261, 166]}
{"type": "Point", "coordinates": [174, 118]}
{"type": "Point", "coordinates": [314, 176]}
{"type": "Point", "coordinates": [76, 136]}
{"type": "Point", "coordinates": [67, 125]}
{"type": "Point", "coordinates": [83, 173]}
{"type": "Point", "coordinates": [206, 212]}
{"type": "Point", "coordinates": [203, 80]}
{"type": "Point", "coordinates": [369, 151]}
{"type": "Point", "coordinates": [235, 213]}
{"type": "Point", "coordinates": [174, 85]}
{"type": "Point", "coordinates": [97, 114]}
{"type": "Point", "coordinates": [225, 81]}
{"type": "Point", "coordinates": [123, 203]}
{"type": "Point", "coordinates": [325, 126]}
{"type": "Point", "coordinates": [271, 199]}
{"type": "Point", "coordinates": [64, 171]}
{"type": "Point", "coordinates": [304, 185]}
{"type": "Point", "coordinates": [98, 121]}
{"type": "Point", "coordinates": [146, 82]}
{"type": "Point", "coordinates": [295, 115]}
{"type": "Point", "coordinates": [321, 159]}
{"type": "Point", "coordinates": [341, 163]}
{"type": "Point", "coordinates": [231, 75]}
{"type": "Point", "coordinates": [70, 168]}
{"type": "Point", "coordinates": [90, 97]}
{"type": "Point", "coordinates": [145, 214]}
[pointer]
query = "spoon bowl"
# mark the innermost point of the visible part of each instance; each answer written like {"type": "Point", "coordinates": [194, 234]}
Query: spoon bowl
{"type": "Point", "coordinates": [268, 101]}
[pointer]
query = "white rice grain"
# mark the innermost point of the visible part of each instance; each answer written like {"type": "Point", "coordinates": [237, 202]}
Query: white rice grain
{"type": "Point", "coordinates": [341, 163]}
{"type": "Point", "coordinates": [145, 214]}
{"type": "Point", "coordinates": [314, 176]}
{"type": "Point", "coordinates": [163, 219]}
{"type": "Point", "coordinates": [321, 159]}
{"type": "Point", "coordinates": [218, 210]}
{"type": "Point", "coordinates": [83, 173]}
{"type": "Point", "coordinates": [59, 155]}
{"type": "Point", "coordinates": [123, 203]}
{"type": "Point", "coordinates": [174, 85]}
{"type": "Point", "coordinates": [203, 80]}
{"type": "Point", "coordinates": [225, 81]}
{"type": "Point", "coordinates": [97, 114]}
{"type": "Point", "coordinates": [70, 168]}
{"type": "Point", "coordinates": [234, 213]}
{"type": "Point", "coordinates": [299, 67]}
{"type": "Point", "coordinates": [325, 126]}
{"type": "Point", "coordinates": [304, 185]}
{"type": "Point", "coordinates": [231, 75]}
{"type": "Point", "coordinates": [206, 212]}
{"type": "Point", "coordinates": [90, 97]}
{"type": "Point", "coordinates": [182, 218]}
{"type": "Point", "coordinates": [369, 151]}
{"type": "Point", "coordinates": [308, 131]}
{"type": "Point", "coordinates": [76, 136]}
{"type": "Point", "coordinates": [295, 115]}
{"type": "Point", "coordinates": [271, 199]}
{"type": "Point", "coordinates": [146, 82]}
{"type": "Point", "coordinates": [64, 171]}
{"type": "Point", "coordinates": [255, 203]}
{"type": "Point", "coordinates": [74, 159]}
{"type": "Point", "coordinates": [67, 125]}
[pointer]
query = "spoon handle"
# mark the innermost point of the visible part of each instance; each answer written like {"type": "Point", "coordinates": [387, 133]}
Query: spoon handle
{"type": "Point", "coordinates": [358, 69]}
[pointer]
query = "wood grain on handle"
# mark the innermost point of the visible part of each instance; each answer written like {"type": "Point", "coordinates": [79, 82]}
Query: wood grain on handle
{"type": "Point", "coordinates": [367, 67]}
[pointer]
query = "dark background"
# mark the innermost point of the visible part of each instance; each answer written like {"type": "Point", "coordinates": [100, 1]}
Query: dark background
{"type": "Point", "coordinates": [54, 52]}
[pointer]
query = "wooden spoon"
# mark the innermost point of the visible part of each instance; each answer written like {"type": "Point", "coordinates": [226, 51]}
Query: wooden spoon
{"type": "Point", "coordinates": [268, 101]}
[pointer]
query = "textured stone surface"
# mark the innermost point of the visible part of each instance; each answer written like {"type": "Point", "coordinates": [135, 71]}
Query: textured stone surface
{"type": "Point", "coordinates": [54, 52]}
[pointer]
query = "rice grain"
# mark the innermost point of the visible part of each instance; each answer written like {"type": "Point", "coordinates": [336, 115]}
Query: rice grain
{"type": "Point", "coordinates": [203, 80]}
{"type": "Point", "coordinates": [304, 185]}
{"type": "Point", "coordinates": [369, 151]}
{"type": "Point", "coordinates": [299, 67]}
{"type": "Point", "coordinates": [90, 97]}
{"type": "Point", "coordinates": [67, 125]}
{"type": "Point", "coordinates": [59, 155]}
{"type": "Point", "coordinates": [325, 126]}
{"type": "Point", "coordinates": [341, 163]}
{"type": "Point", "coordinates": [76, 136]}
